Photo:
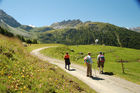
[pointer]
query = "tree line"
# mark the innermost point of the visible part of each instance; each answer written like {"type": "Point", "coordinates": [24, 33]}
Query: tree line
{"type": "Point", "coordinates": [107, 34]}
{"type": "Point", "coordinates": [23, 39]}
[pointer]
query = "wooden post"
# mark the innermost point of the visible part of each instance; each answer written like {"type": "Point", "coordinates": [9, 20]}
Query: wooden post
{"type": "Point", "coordinates": [122, 66]}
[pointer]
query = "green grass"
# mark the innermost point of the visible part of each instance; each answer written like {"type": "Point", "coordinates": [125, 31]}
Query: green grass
{"type": "Point", "coordinates": [22, 73]}
{"type": "Point", "coordinates": [112, 56]}
{"type": "Point", "coordinates": [31, 47]}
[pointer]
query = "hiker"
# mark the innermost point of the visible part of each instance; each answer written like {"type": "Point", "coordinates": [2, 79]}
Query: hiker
{"type": "Point", "coordinates": [67, 61]}
{"type": "Point", "coordinates": [100, 62]}
{"type": "Point", "coordinates": [88, 61]}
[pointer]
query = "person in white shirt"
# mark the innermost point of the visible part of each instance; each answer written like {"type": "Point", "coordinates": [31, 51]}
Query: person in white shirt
{"type": "Point", "coordinates": [89, 65]}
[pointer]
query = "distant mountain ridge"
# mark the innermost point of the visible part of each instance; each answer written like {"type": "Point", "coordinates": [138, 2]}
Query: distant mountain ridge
{"type": "Point", "coordinates": [8, 19]}
{"type": "Point", "coordinates": [10, 24]}
{"type": "Point", "coordinates": [135, 29]}
{"type": "Point", "coordinates": [66, 24]}
{"type": "Point", "coordinates": [74, 32]}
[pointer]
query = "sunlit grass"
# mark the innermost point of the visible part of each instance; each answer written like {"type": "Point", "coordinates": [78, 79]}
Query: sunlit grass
{"type": "Point", "coordinates": [22, 73]}
{"type": "Point", "coordinates": [112, 56]}
{"type": "Point", "coordinates": [31, 47]}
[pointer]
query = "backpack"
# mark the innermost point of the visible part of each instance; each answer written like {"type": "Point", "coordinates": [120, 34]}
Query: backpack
{"type": "Point", "coordinates": [101, 58]}
{"type": "Point", "coordinates": [85, 59]}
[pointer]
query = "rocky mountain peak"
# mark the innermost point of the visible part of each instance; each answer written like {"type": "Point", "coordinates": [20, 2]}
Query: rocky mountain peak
{"type": "Point", "coordinates": [8, 19]}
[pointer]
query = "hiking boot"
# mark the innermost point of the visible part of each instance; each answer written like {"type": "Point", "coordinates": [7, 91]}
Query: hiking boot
{"type": "Point", "coordinates": [91, 76]}
{"type": "Point", "coordinates": [87, 75]}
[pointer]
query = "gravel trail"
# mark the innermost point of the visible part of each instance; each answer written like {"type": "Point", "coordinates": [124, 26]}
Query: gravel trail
{"type": "Point", "coordinates": [100, 82]}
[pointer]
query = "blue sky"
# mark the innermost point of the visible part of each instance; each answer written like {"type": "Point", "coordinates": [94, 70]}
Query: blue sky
{"type": "Point", "coordinates": [124, 13]}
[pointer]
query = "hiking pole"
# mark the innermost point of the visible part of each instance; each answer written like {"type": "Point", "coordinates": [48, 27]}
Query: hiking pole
{"type": "Point", "coordinates": [94, 70]}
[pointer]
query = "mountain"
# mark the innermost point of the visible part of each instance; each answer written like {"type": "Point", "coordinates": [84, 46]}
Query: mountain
{"type": "Point", "coordinates": [15, 31]}
{"type": "Point", "coordinates": [8, 19]}
{"type": "Point", "coordinates": [88, 32]}
{"type": "Point", "coordinates": [10, 24]}
{"type": "Point", "coordinates": [137, 29]}
{"type": "Point", "coordinates": [74, 32]}
{"type": "Point", "coordinates": [66, 24]}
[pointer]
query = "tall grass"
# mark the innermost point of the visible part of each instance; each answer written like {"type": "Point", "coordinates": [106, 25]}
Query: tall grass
{"type": "Point", "coordinates": [112, 55]}
{"type": "Point", "coordinates": [22, 73]}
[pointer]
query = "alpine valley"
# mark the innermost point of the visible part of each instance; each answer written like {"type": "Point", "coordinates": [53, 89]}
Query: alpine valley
{"type": "Point", "coordinates": [74, 32]}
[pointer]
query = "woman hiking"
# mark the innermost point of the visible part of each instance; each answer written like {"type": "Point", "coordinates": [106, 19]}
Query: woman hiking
{"type": "Point", "coordinates": [67, 61]}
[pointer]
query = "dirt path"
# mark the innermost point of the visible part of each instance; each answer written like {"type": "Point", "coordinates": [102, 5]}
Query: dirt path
{"type": "Point", "coordinates": [100, 83]}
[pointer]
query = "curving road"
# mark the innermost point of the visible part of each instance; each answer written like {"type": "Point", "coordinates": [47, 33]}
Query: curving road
{"type": "Point", "coordinates": [100, 83]}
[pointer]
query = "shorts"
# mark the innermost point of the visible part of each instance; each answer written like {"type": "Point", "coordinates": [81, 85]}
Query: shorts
{"type": "Point", "coordinates": [101, 64]}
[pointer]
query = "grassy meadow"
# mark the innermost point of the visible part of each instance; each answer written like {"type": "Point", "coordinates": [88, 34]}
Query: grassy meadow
{"type": "Point", "coordinates": [112, 55]}
{"type": "Point", "coordinates": [36, 46]}
{"type": "Point", "coordinates": [22, 73]}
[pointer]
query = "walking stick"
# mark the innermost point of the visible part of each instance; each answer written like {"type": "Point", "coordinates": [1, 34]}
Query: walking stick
{"type": "Point", "coordinates": [94, 70]}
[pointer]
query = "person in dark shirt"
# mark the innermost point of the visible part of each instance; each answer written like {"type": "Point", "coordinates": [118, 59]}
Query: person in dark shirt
{"type": "Point", "coordinates": [67, 61]}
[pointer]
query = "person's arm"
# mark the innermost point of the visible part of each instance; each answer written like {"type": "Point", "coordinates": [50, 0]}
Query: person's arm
{"type": "Point", "coordinates": [91, 59]}
{"type": "Point", "coordinates": [98, 59]}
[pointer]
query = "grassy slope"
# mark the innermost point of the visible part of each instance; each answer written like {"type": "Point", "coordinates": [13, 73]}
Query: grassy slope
{"type": "Point", "coordinates": [112, 55]}
{"type": "Point", "coordinates": [20, 72]}
{"type": "Point", "coordinates": [36, 46]}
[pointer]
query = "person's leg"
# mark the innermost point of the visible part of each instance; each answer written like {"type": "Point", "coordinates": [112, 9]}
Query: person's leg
{"type": "Point", "coordinates": [102, 66]}
{"type": "Point", "coordinates": [99, 65]}
{"type": "Point", "coordinates": [102, 70]}
{"type": "Point", "coordinates": [90, 68]}
{"type": "Point", "coordinates": [65, 65]}
{"type": "Point", "coordinates": [87, 69]}
{"type": "Point", "coordinates": [68, 67]}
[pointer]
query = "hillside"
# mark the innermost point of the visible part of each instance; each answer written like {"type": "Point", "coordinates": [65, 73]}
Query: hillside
{"type": "Point", "coordinates": [20, 37]}
{"type": "Point", "coordinates": [74, 32]}
{"type": "Point", "coordinates": [87, 33]}
{"type": "Point", "coordinates": [10, 24]}
{"type": "Point", "coordinates": [21, 72]}
{"type": "Point", "coordinates": [8, 19]}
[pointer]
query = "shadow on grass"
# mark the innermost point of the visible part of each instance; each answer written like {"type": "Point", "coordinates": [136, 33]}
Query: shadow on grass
{"type": "Point", "coordinates": [96, 78]}
{"type": "Point", "coordinates": [108, 73]}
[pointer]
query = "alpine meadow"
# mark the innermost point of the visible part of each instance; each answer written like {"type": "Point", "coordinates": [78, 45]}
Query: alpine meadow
{"type": "Point", "coordinates": [58, 45]}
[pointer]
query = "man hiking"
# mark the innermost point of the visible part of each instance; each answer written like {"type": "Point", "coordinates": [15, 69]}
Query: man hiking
{"type": "Point", "coordinates": [88, 61]}
{"type": "Point", "coordinates": [100, 62]}
{"type": "Point", "coordinates": [67, 61]}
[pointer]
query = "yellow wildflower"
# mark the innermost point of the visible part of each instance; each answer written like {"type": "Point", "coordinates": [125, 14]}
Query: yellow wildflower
{"type": "Point", "coordinates": [21, 89]}
{"type": "Point", "coordinates": [9, 76]}
{"type": "Point", "coordinates": [24, 87]}
{"type": "Point", "coordinates": [23, 76]}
